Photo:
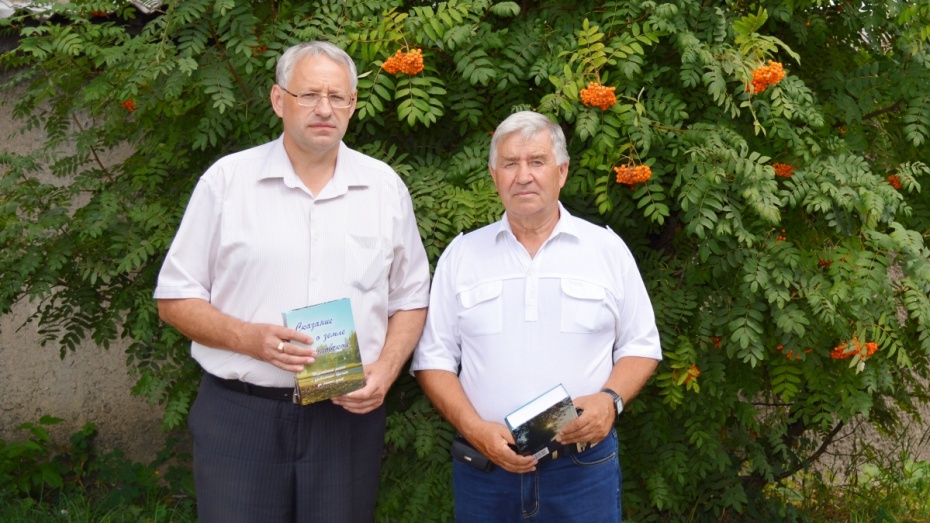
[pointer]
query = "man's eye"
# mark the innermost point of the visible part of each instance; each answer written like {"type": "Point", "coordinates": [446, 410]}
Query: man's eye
{"type": "Point", "coordinates": [337, 99]}
{"type": "Point", "coordinates": [310, 97]}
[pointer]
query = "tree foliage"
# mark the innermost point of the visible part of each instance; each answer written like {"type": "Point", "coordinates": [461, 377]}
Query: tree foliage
{"type": "Point", "coordinates": [788, 303]}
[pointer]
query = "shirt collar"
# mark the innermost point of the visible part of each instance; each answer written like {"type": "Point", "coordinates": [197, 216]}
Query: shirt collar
{"type": "Point", "coordinates": [347, 173]}
{"type": "Point", "coordinates": [565, 225]}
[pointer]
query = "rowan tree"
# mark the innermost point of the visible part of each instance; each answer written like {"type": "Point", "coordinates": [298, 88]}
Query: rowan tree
{"type": "Point", "coordinates": [764, 160]}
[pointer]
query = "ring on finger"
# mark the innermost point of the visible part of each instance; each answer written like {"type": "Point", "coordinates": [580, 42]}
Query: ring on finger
{"type": "Point", "coordinates": [281, 346]}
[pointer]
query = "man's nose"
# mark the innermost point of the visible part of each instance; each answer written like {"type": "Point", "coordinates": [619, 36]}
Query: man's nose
{"type": "Point", "coordinates": [524, 173]}
{"type": "Point", "coordinates": [323, 107]}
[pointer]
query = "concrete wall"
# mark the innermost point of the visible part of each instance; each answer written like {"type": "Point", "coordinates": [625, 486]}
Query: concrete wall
{"type": "Point", "coordinates": [90, 385]}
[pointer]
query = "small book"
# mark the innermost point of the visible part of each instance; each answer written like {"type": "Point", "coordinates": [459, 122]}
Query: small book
{"type": "Point", "coordinates": [535, 425]}
{"type": "Point", "coordinates": [338, 367]}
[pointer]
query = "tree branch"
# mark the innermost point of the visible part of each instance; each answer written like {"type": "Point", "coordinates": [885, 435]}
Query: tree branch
{"type": "Point", "coordinates": [817, 453]}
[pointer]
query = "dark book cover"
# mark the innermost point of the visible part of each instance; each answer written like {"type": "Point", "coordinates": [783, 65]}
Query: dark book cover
{"type": "Point", "coordinates": [338, 367]}
{"type": "Point", "coordinates": [535, 425]}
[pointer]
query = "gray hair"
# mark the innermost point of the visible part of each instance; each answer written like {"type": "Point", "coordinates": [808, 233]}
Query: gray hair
{"type": "Point", "coordinates": [295, 54]}
{"type": "Point", "coordinates": [529, 124]}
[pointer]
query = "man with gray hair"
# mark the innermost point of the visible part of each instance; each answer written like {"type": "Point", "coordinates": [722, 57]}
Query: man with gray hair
{"type": "Point", "coordinates": [294, 222]}
{"type": "Point", "coordinates": [536, 300]}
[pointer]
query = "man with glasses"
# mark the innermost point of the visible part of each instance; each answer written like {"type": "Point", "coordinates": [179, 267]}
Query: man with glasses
{"type": "Point", "coordinates": [294, 222]}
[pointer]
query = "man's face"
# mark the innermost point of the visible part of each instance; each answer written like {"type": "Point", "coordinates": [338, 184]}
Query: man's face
{"type": "Point", "coordinates": [527, 177]}
{"type": "Point", "coordinates": [314, 130]}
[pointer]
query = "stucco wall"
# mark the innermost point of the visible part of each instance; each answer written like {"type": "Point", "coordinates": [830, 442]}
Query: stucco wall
{"type": "Point", "coordinates": [90, 385]}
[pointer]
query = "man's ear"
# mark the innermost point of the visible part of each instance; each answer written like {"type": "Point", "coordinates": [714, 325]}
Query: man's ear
{"type": "Point", "coordinates": [277, 100]}
{"type": "Point", "coordinates": [563, 174]}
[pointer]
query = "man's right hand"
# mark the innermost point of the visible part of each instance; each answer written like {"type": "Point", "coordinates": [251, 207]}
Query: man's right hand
{"type": "Point", "coordinates": [202, 322]}
{"type": "Point", "coordinates": [272, 343]}
{"type": "Point", "coordinates": [494, 440]}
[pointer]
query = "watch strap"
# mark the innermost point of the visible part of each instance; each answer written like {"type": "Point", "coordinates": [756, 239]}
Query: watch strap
{"type": "Point", "coordinates": [618, 401]}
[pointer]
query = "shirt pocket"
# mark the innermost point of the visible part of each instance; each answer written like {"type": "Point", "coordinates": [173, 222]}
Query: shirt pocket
{"type": "Point", "coordinates": [583, 306]}
{"type": "Point", "coordinates": [482, 309]}
{"type": "Point", "coordinates": [364, 266]}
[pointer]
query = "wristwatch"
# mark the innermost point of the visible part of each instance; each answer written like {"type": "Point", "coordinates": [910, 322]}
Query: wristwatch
{"type": "Point", "coordinates": [618, 402]}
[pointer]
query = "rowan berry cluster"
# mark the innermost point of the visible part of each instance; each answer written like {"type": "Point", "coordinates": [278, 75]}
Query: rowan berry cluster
{"type": "Point", "coordinates": [792, 355]}
{"type": "Point", "coordinates": [408, 63]}
{"type": "Point", "coordinates": [781, 237]}
{"type": "Point", "coordinates": [895, 181]}
{"type": "Point", "coordinates": [824, 263]}
{"type": "Point", "coordinates": [842, 351]}
{"type": "Point", "coordinates": [784, 170]}
{"type": "Point", "coordinates": [631, 175]}
{"type": "Point", "coordinates": [764, 76]}
{"type": "Point", "coordinates": [690, 375]}
{"type": "Point", "coordinates": [129, 105]}
{"type": "Point", "coordinates": [597, 95]}
{"type": "Point", "coordinates": [693, 373]}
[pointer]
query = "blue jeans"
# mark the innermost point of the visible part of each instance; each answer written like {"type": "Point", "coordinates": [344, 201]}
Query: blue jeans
{"type": "Point", "coordinates": [581, 487]}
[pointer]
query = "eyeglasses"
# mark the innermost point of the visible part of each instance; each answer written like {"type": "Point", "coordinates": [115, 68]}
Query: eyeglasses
{"type": "Point", "coordinates": [336, 100]}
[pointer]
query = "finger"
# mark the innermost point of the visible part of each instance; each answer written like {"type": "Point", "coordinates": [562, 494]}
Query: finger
{"type": "Point", "coordinates": [520, 466]}
{"type": "Point", "coordinates": [290, 362]}
{"type": "Point", "coordinates": [286, 347]}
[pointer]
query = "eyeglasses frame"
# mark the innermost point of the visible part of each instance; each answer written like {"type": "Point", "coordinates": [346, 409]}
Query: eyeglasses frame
{"type": "Point", "coordinates": [322, 96]}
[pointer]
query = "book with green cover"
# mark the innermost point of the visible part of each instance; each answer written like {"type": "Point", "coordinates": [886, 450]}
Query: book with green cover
{"type": "Point", "coordinates": [338, 367]}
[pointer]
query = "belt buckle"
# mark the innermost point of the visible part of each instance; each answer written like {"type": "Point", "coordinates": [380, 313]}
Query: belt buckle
{"type": "Point", "coordinates": [571, 448]}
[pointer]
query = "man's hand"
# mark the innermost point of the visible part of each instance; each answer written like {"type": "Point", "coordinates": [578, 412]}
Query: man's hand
{"type": "Point", "coordinates": [262, 341]}
{"type": "Point", "coordinates": [202, 322]}
{"type": "Point", "coordinates": [494, 440]}
{"type": "Point", "coordinates": [594, 424]}
{"type": "Point", "coordinates": [404, 328]}
{"type": "Point", "coordinates": [378, 380]}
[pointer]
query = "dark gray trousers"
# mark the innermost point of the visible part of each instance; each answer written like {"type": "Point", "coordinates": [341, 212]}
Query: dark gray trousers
{"type": "Point", "coordinates": [263, 460]}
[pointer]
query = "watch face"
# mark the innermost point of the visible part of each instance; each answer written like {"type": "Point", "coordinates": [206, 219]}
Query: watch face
{"type": "Point", "coordinates": [618, 400]}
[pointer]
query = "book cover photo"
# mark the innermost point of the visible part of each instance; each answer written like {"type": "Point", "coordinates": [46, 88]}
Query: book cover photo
{"type": "Point", "coordinates": [535, 425]}
{"type": "Point", "coordinates": [338, 367]}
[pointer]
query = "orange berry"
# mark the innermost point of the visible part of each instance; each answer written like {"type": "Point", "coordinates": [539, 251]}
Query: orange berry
{"type": "Point", "coordinates": [631, 175]}
{"type": "Point", "coordinates": [784, 170]}
{"type": "Point", "coordinates": [895, 181]}
{"type": "Point", "coordinates": [408, 63]}
{"type": "Point", "coordinates": [764, 76]}
{"type": "Point", "coordinates": [841, 351]}
{"type": "Point", "coordinates": [129, 105]}
{"type": "Point", "coordinates": [693, 373]}
{"type": "Point", "coordinates": [597, 95]}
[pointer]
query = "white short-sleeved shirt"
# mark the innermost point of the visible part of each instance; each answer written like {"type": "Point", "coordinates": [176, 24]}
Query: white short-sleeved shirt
{"type": "Point", "coordinates": [513, 326]}
{"type": "Point", "coordinates": [254, 242]}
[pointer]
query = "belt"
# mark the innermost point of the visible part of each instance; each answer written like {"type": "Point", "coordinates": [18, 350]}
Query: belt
{"type": "Point", "coordinates": [274, 393]}
{"type": "Point", "coordinates": [564, 450]}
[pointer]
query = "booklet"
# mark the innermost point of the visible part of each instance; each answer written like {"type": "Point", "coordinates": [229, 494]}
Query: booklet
{"type": "Point", "coordinates": [535, 425]}
{"type": "Point", "coordinates": [338, 367]}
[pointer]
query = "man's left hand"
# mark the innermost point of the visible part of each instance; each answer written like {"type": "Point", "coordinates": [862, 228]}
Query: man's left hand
{"type": "Point", "coordinates": [378, 380]}
{"type": "Point", "coordinates": [594, 424]}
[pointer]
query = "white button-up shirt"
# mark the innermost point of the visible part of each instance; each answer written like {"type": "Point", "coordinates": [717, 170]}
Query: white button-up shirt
{"type": "Point", "coordinates": [513, 326]}
{"type": "Point", "coordinates": [254, 242]}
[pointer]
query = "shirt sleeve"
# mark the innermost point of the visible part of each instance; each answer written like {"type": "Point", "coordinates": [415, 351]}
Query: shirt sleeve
{"type": "Point", "coordinates": [408, 280]}
{"type": "Point", "coordinates": [637, 333]}
{"type": "Point", "coordinates": [440, 346]}
{"type": "Point", "coordinates": [189, 265]}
